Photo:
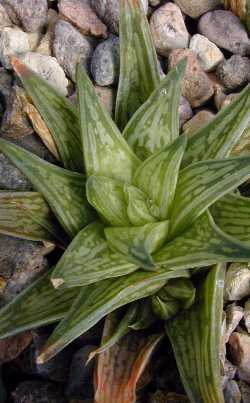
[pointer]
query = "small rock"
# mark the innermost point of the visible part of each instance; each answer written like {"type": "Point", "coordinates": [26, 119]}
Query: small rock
{"type": "Point", "coordinates": [237, 282]}
{"type": "Point", "coordinates": [80, 385]}
{"type": "Point", "coordinates": [245, 391]}
{"type": "Point", "coordinates": [70, 46]}
{"type": "Point", "coordinates": [234, 314]}
{"type": "Point", "coordinates": [12, 347]}
{"type": "Point", "coordinates": [196, 86]}
{"type": "Point", "coordinates": [32, 14]}
{"type": "Point", "coordinates": [48, 68]}
{"type": "Point", "coordinates": [208, 54]}
{"type": "Point", "coordinates": [21, 261]}
{"type": "Point", "coordinates": [108, 11]}
{"type": "Point", "coordinates": [240, 351]}
{"type": "Point", "coordinates": [226, 31]}
{"type": "Point", "coordinates": [45, 45]}
{"type": "Point", "coordinates": [12, 42]}
{"type": "Point", "coordinates": [11, 178]}
{"type": "Point", "coordinates": [168, 29]}
{"type": "Point", "coordinates": [105, 62]}
{"type": "Point", "coordinates": [197, 122]}
{"type": "Point", "coordinates": [185, 111]}
{"type": "Point", "coordinates": [107, 96]}
{"type": "Point", "coordinates": [38, 392]}
{"type": "Point", "coordinates": [14, 119]}
{"type": "Point", "coordinates": [228, 372]}
{"type": "Point", "coordinates": [81, 14]}
{"type": "Point", "coordinates": [195, 8]}
{"type": "Point", "coordinates": [4, 18]}
{"type": "Point", "coordinates": [234, 72]}
{"type": "Point", "coordinates": [247, 315]}
{"type": "Point", "coordinates": [5, 85]}
{"type": "Point", "coordinates": [232, 393]}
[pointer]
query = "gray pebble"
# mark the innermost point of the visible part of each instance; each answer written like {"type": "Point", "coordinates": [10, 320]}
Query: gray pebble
{"type": "Point", "coordinates": [225, 30]}
{"type": "Point", "coordinates": [70, 46]}
{"type": "Point", "coordinates": [105, 62]}
{"type": "Point", "coordinates": [195, 8]}
{"type": "Point", "coordinates": [108, 11]}
{"type": "Point", "coordinates": [185, 111]}
{"type": "Point", "coordinates": [234, 72]}
{"type": "Point", "coordinates": [31, 14]}
{"type": "Point", "coordinates": [11, 178]}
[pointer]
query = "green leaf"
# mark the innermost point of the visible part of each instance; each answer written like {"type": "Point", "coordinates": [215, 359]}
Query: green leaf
{"type": "Point", "coordinates": [195, 336]}
{"type": "Point", "coordinates": [38, 305]}
{"type": "Point", "coordinates": [139, 69]}
{"type": "Point", "coordinates": [27, 215]}
{"type": "Point", "coordinates": [60, 115]}
{"type": "Point", "coordinates": [145, 315]}
{"type": "Point", "coordinates": [202, 245]}
{"type": "Point", "coordinates": [232, 215]}
{"type": "Point", "coordinates": [106, 153]}
{"type": "Point", "coordinates": [155, 125]}
{"type": "Point", "coordinates": [157, 176]}
{"type": "Point", "coordinates": [138, 243]}
{"type": "Point", "coordinates": [242, 147]}
{"type": "Point", "coordinates": [120, 330]}
{"type": "Point", "coordinates": [107, 197]}
{"type": "Point", "coordinates": [218, 137]}
{"type": "Point", "coordinates": [98, 300]}
{"type": "Point", "coordinates": [183, 290]}
{"type": "Point", "coordinates": [201, 184]}
{"type": "Point", "coordinates": [139, 209]}
{"type": "Point", "coordinates": [165, 308]}
{"type": "Point", "coordinates": [88, 259]}
{"type": "Point", "coordinates": [63, 190]}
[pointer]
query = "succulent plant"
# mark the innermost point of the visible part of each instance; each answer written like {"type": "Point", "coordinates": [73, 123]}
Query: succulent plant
{"type": "Point", "coordinates": [147, 219]}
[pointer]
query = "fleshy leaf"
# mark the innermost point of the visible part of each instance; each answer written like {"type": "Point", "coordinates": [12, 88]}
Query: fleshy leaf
{"type": "Point", "coordinates": [88, 259]}
{"type": "Point", "coordinates": [63, 190]}
{"type": "Point", "coordinates": [165, 308]}
{"type": "Point", "coordinates": [120, 368]}
{"type": "Point", "coordinates": [138, 243]}
{"type": "Point", "coordinates": [27, 215]}
{"type": "Point", "coordinates": [120, 330]}
{"type": "Point", "coordinates": [59, 114]}
{"type": "Point", "coordinates": [202, 245]}
{"type": "Point", "coordinates": [201, 184]}
{"type": "Point", "coordinates": [139, 69]}
{"type": "Point", "coordinates": [38, 305]}
{"type": "Point", "coordinates": [145, 315]}
{"type": "Point", "coordinates": [139, 210]}
{"type": "Point", "coordinates": [98, 300]}
{"type": "Point", "coordinates": [155, 125]}
{"type": "Point", "coordinates": [157, 176]}
{"type": "Point", "coordinates": [232, 215]}
{"type": "Point", "coordinates": [195, 335]}
{"type": "Point", "coordinates": [242, 147]}
{"type": "Point", "coordinates": [183, 290]}
{"type": "Point", "coordinates": [218, 137]}
{"type": "Point", "coordinates": [107, 197]}
{"type": "Point", "coordinates": [106, 153]}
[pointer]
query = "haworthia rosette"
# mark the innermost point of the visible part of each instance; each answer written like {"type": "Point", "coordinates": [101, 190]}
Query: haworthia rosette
{"type": "Point", "coordinates": [106, 153]}
{"type": "Point", "coordinates": [155, 125]}
{"type": "Point", "coordinates": [63, 190]}
{"type": "Point", "coordinates": [59, 114]}
{"type": "Point", "coordinates": [139, 69]}
{"type": "Point", "coordinates": [195, 335]}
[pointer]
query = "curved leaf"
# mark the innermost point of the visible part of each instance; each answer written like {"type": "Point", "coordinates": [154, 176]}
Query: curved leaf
{"type": "Point", "coordinates": [139, 70]}
{"type": "Point", "coordinates": [157, 176]}
{"type": "Point", "coordinates": [202, 245]}
{"type": "Point", "coordinates": [88, 259]}
{"type": "Point", "coordinates": [218, 137]}
{"type": "Point", "coordinates": [232, 215]}
{"type": "Point", "coordinates": [107, 197]}
{"type": "Point", "coordinates": [106, 153]}
{"type": "Point", "coordinates": [59, 114]}
{"type": "Point", "coordinates": [98, 300]}
{"type": "Point", "coordinates": [155, 125]}
{"type": "Point", "coordinates": [38, 305]}
{"type": "Point", "coordinates": [63, 190]}
{"type": "Point", "coordinates": [139, 210]}
{"type": "Point", "coordinates": [138, 243]}
{"type": "Point", "coordinates": [195, 336]}
{"type": "Point", "coordinates": [27, 215]}
{"type": "Point", "coordinates": [201, 184]}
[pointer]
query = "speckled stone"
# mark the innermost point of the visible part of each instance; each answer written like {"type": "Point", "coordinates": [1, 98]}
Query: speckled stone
{"type": "Point", "coordinates": [13, 41]}
{"type": "Point", "coordinates": [208, 54]}
{"type": "Point", "coordinates": [31, 14]}
{"type": "Point", "coordinates": [195, 8]}
{"type": "Point", "coordinates": [234, 72]}
{"type": "Point", "coordinates": [105, 62]}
